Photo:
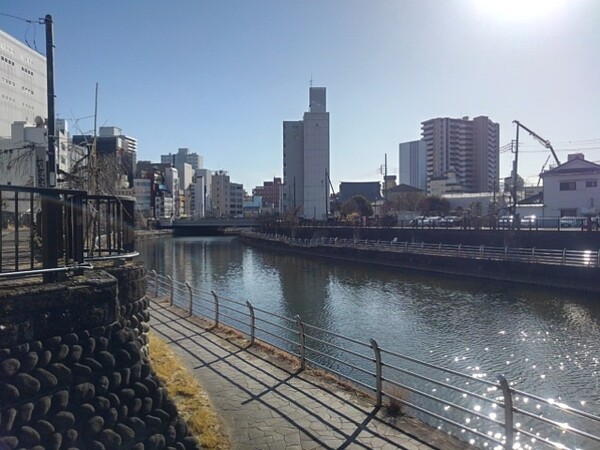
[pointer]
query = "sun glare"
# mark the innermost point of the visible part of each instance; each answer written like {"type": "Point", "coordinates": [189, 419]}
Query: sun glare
{"type": "Point", "coordinates": [520, 10]}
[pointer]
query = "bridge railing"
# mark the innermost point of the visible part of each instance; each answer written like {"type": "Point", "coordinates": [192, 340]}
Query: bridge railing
{"type": "Point", "coordinates": [52, 231]}
{"type": "Point", "coordinates": [559, 257]}
{"type": "Point", "coordinates": [485, 413]}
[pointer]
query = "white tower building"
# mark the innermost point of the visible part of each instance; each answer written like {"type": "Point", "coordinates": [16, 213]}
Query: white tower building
{"type": "Point", "coordinates": [306, 160]}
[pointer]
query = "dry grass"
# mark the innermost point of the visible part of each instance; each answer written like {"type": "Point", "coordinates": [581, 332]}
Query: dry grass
{"type": "Point", "coordinates": [192, 402]}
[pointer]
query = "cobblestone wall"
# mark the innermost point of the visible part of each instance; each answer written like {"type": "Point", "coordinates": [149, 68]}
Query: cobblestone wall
{"type": "Point", "coordinates": [74, 372]}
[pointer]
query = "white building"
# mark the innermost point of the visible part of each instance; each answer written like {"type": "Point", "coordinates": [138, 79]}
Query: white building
{"type": "Point", "coordinates": [23, 94]}
{"type": "Point", "coordinates": [306, 160]}
{"type": "Point", "coordinates": [201, 200]}
{"type": "Point", "coordinates": [572, 188]}
{"type": "Point", "coordinates": [413, 164]}
{"type": "Point", "coordinates": [23, 155]}
{"type": "Point", "coordinates": [468, 148]}
{"type": "Point", "coordinates": [179, 161]}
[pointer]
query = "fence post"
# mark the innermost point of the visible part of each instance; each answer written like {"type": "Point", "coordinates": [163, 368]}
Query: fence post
{"type": "Point", "coordinates": [252, 322]}
{"type": "Point", "coordinates": [481, 251]}
{"type": "Point", "coordinates": [171, 289]}
{"type": "Point", "coordinates": [459, 248]}
{"type": "Point", "coordinates": [505, 252]}
{"type": "Point", "coordinates": [378, 372]}
{"type": "Point", "coordinates": [191, 297]}
{"type": "Point", "coordinates": [302, 343]}
{"type": "Point", "coordinates": [155, 276]}
{"type": "Point", "coordinates": [216, 308]}
{"type": "Point", "coordinates": [564, 257]}
{"type": "Point", "coordinates": [508, 412]}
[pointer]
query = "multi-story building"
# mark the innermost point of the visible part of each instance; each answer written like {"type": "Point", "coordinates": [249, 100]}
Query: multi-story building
{"type": "Point", "coordinates": [306, 160]}
{"type": "Point", "coordinates": [466, 149]}
{"type": "Point", "coordinates": [116, 158]}
{"type": "Point", "coordinates": [270, 192]}
{"type": "Point", "coordinates": [23, 156]}
{"type": "Point", "coordinates": [236, 200]}
{"type": "Point", "coordinates": [221, 191]}
{"type": "Point", "coordinates": [201, 202]}
{"type": "Point", "coordinates": [413, 164]}
{"type": "Point", "coordinates": [186, 163]}
{"type": "Point", "coordinates": [22, 84]}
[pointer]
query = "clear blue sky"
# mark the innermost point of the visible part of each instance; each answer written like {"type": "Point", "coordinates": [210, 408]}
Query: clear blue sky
{"type": "Point", "coordinates": [219, 77]}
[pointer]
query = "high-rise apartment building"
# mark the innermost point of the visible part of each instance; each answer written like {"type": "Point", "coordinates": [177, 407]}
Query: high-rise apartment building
{"type": "Point", "coordinates": [306, 160]}
{"type": "Point", "coordinates": [413, 164]}
{"type": "Point", "coordinates": [22, 84]}
{"type": "Point", "coordinates": [464, 151]}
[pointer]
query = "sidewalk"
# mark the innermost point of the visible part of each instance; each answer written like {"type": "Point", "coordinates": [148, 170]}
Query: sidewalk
{"type": "Point", "coordinates": [266, 406]}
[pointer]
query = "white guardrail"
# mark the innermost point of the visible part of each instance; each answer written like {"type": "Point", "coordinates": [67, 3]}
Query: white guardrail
{"type": "Point", "coordinates": [487, 414]}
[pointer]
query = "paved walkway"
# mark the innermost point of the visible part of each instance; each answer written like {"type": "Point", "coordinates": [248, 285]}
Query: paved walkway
{"type": "Point", "coordinates": [266, 406]}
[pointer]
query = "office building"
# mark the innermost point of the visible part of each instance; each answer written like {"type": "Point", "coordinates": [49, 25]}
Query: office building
{"type": "Point", "coordinates": [306, 160]}
{"type": "Point", "coordinates": [464, 152]}
{"type": "Point", "coordinates": [23, 91]}
{"type": "Point", "coordinates": [413, 164]}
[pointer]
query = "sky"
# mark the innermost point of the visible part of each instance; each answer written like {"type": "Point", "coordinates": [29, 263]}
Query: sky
{"type": "Point", "coordinates": [220, 77]}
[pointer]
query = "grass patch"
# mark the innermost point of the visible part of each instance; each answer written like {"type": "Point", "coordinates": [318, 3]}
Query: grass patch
{"type": "Point", "coordinates": [192, 402]}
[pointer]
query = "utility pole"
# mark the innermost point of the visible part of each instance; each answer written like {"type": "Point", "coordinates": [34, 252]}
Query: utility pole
{"type": "Point", "coordinates": [515, 177]}
{"type": "Point", "coordinates": [51, 229]}
{"type": "Point", "coordinates": [51, 114]}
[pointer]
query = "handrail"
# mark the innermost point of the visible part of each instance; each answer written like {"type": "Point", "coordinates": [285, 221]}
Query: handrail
{"type": "Point", "coordinates": [484, 412]}
{"type": "Point", "coordinates": [559, 257]}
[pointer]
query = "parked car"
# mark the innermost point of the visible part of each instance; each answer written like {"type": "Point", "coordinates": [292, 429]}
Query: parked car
{"type": "Point", "coordinates": [416, 221]}
{"type": "Point", "coordinates": [449, 221]}
{"type": "Point", "coordinates": [528, 221]}
{"type": "Point", "coordinates": [431, 221]}
{"type": "Point", "coordinates": [572, 222]}
{"type": "Point", "coordinates": [506, 221]}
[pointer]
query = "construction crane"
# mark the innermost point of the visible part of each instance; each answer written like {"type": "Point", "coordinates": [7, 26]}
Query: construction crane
{"type": "Point", "coordinates": [541, 140]}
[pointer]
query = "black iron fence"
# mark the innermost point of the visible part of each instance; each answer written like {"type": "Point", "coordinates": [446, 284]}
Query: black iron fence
{"type": "Point", "coordinates": [49, 231]}
{"type": "Point", "coordinates": [485, 410]}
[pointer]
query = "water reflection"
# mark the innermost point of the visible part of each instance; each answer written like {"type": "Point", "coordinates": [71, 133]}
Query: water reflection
{"type": "Point", "coordinates": [544, 341]}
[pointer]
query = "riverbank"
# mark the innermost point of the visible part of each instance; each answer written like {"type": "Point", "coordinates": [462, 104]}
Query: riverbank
{"type": "Point", "coordinates": [268, 403]}
{"type": "Point", "coordinates": [576, 278]}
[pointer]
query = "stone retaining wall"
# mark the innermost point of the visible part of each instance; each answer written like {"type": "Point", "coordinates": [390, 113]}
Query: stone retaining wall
{"type": "Point", "coordinates": [74, 371]}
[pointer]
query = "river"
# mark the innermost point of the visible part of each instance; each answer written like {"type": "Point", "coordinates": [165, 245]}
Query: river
{"type": "Point", "coordinates": [545, 341]}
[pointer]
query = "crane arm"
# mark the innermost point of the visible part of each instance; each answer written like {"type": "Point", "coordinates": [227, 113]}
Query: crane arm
{"type": "Point", "coordinates": [541, 140]}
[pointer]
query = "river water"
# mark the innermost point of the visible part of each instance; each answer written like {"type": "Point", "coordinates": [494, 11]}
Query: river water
{"type": "Point", "coordinates": [545, 341]}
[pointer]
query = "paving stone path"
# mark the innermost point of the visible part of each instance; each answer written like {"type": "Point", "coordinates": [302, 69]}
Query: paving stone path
{"type": "Point", "coordinates": [266, 406]}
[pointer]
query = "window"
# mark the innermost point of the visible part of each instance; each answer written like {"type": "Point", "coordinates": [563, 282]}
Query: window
{"type": "Point", "coordinates": [568, 186]}
{"type": "Point", "coordinates": [591, 183]}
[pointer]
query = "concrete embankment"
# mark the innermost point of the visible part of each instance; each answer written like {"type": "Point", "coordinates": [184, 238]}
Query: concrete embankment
{"type": "Point", "coordinates": [564, 277]}
{"type": "Point", "coordinates": [74, 371]}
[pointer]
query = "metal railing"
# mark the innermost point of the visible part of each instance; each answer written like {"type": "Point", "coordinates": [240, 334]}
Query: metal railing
{"type": "Point", "coordinates": [48, 231]}
{"type": "Point", "coordinates": [484, 413]}
{"type": "Point", "coordinates": [559, 257]}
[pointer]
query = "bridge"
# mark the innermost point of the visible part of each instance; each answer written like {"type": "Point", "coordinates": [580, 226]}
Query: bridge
{"type": "Point", "coordinates": [208, 227]}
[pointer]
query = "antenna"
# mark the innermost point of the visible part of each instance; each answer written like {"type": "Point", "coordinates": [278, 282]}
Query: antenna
{"type": "Point", "coordinates": [311, 80]}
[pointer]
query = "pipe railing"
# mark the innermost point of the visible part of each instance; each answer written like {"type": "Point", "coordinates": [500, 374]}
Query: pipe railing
{"type": "Point", "coordinates": [84, 228]}
{"type": "Point", "coordinates": [559, 257]}
{"type": "Point", "coordinates": [470, 407]}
